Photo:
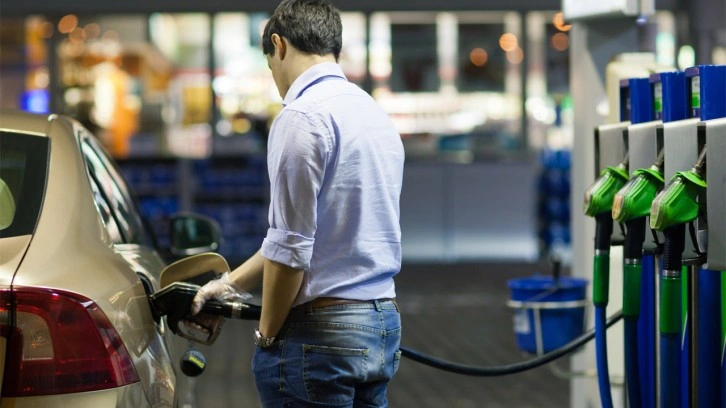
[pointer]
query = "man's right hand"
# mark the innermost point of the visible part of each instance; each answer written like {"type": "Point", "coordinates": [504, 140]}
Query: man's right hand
{"type": "Point", "coordinates": [222, 289]}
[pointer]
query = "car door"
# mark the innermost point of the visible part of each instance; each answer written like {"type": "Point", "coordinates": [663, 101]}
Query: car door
{"type": "Point", "coordinates": [135, 243]}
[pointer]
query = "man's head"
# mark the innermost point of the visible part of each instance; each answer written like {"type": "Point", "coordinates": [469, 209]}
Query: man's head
{"type": "Point", "coordinates": [299, 34]}
{"type": "Point", "coordinates": [311, 26]}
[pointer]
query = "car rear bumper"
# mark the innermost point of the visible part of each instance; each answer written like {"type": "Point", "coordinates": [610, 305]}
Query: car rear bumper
{"type": "Point", "coordinates": [130, 396]}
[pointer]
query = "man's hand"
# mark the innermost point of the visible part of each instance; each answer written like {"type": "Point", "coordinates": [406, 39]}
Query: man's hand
{"type": "Point", "coordinates": [222, 289]}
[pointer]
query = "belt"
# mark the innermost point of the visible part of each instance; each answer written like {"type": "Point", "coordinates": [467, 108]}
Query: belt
{"type": "Point", "coordinates": [322, 302]}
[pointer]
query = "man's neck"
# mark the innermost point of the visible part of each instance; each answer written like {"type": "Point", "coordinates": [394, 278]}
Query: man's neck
{"type": "Point", "coordinates": [300, 62]}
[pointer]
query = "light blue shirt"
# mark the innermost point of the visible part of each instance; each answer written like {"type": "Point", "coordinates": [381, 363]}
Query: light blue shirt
{"type": "Point", "coordinates": [335, 162]}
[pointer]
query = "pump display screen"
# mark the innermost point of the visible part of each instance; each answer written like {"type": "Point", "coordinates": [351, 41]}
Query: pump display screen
{"type": "Point", "coordinates": [658, 100]}
{"type": "Point", "coordinates": [624, 103]}
{"type": "Point", "coordinates": [695, 99]}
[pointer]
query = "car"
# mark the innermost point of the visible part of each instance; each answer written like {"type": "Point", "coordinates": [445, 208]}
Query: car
{"type": "Point", "coordinates": [78, 267]}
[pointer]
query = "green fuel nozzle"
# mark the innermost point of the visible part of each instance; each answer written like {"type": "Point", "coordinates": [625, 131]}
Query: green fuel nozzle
{"type": "Point", "coordinates": [677, 203]}
{"type": "Point", "coordinates": [599, 196]}
{"type": "Point", "coordinates": [636, 197]}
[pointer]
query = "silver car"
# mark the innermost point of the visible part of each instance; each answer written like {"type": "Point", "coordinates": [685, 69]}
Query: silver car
{"type": "Point", "coordinates": [77, 267]}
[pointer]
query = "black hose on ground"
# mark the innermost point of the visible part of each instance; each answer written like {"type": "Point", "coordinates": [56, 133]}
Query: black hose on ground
{"type": "Point", "coordinates": [495, 371]}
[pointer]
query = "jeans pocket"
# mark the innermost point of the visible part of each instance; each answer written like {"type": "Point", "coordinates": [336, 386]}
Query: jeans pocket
{"type": "Point", "coordinates": [396, 361]}
{"type": "Point", "coordinates": [330, 373]}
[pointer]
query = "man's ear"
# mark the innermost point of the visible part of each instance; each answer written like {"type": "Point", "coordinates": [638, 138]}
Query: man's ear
{"type": "Point", "coordinates": [280, 45]}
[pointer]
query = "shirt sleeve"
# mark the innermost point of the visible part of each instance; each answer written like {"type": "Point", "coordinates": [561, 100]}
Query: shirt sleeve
{"type": "Point", "coordinates": [297, 152]}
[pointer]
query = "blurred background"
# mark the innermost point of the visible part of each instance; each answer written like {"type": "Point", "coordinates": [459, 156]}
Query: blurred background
{"type": "Point", "coordinates": [184, 101]}
{"type": "Point", "coordinates": [181, 95]}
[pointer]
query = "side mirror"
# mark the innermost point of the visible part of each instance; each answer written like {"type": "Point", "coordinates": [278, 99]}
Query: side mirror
{"type": "Point", "coordinates": [193, 234]}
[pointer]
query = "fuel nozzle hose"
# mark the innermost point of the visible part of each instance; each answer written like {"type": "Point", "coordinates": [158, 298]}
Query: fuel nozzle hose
{"type": "Point", "coordinates": [632, 282]}
{"type": "Point", "coordinates": [598, 203]}
{"type": "Point", "coordinates": [631, 206]}
{"type": "Point", "coordinates": [675, 207]}
{"type": "Point", "coordinates": [601, 283]}
{"type": "Point", "coordinates": [670, 315]}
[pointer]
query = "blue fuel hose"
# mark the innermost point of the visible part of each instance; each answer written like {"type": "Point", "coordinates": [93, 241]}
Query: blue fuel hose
{"type": "Point", "coordinates": [603, 374]}
{"type": "Point", "coordinates": [635, 313]}
{"type": "Point", "coordinates": [600, 296]}
{"type": "Point", "coordinates": [670, 372]}
{"type": "Point", "coordinates": [709, 338]}
{"type": "Point", "coordinates": [632, 368]}
{"type": "Point", "coordinates": [670, 325]}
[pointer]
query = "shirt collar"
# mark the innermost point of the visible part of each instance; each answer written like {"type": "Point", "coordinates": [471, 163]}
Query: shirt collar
{"type": "Point", "coordinates": [312, 74]}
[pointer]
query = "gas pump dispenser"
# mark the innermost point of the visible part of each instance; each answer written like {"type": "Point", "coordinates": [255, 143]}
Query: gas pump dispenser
{"type": "Point", "coordinates": [710, 104]}
{"type": "Point", "coordinates": [631, 207]}
{"type": "Point", "coordinates": [611, 156]}
{"type": "Point", "coordinates": [716, 215]}
{"type": "Point", "coordinates": [680, 211]}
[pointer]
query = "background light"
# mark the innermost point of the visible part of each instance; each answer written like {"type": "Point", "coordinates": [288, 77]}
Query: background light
{"type": "Point", "coordinates": [515, 56]}
{"type": "Point", "coordinates": [560, 41]}
{"type": "Point", "coordinates": [478, 57]}
{"type": "Point", "coordinates": [67, 23]}
{"type": "Point", "coordinates": [559, 22]}
{"type": "Point", "coordinates": [93, 30]}
{"type": "Point", "coordinates": [508, 42]}
{"type": "Point", "coordinates": [686, 57]}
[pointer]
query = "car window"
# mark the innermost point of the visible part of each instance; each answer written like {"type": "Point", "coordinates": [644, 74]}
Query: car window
{"type": "Point", "coordinates": [109, 221]}
{"type": "Point", "coordinates": [23, 175]}
{"type": "Point", "coordinates": [111, 186]}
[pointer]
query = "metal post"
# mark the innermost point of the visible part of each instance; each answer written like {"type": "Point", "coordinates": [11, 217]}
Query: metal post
{"type": "Point", "coordinates": [593, 44]}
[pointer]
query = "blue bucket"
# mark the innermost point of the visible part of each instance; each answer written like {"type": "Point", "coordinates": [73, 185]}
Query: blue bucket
{"type": "Point", "coordinates": [561, 309]}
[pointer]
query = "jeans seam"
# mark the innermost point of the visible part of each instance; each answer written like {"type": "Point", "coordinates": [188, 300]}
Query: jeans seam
{"type": "Point", "coordinates": [384, 333]}
{"type": "Point", "coordinates": [281, 387]}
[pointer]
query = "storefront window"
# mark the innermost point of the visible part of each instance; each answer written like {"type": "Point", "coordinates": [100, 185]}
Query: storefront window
{"type": "Point", "coordinates": [481, 61]}
{"type": "Point", "coordinates": [24, 63]}
{"type": "Point", "coordinates": [450, 81]}
{"type": "Point", "coordinates": [184, 41]}
{"type": "Point", "coordinates": [414, 58]}
{"type": "Point", "coordinates": [245, 93]}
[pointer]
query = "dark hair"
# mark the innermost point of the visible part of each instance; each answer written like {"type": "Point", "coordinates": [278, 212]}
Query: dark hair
{"type": "Point", "coordinates": [311, 26]}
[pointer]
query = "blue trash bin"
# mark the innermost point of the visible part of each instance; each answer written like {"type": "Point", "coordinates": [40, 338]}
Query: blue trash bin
{"type": "Point", "coordinates": [547, 314]}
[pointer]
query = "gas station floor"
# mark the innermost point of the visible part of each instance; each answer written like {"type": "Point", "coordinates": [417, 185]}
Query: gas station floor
{"type": "Point", "coordinates": [455, 312]}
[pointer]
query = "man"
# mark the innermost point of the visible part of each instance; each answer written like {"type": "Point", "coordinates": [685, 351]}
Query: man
{"type": "Point", "coordinates": [330, 330]}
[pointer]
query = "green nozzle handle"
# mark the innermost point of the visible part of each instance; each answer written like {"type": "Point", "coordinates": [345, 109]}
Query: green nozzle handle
{"type": "Point", "coordinates": [670, 304]}
{"type": "Point", "coordinates": [632, 277]}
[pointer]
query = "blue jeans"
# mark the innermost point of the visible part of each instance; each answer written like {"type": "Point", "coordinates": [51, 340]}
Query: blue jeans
{"type": "Point", "coordinates": [337, 356]}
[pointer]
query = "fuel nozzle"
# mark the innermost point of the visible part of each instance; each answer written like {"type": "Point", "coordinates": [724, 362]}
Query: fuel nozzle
{"type": "Point", "coordinates": [599, 196]}
{"type": "Point", "coordinates": [635, 198]}
{"type": "Point", "coordinates": [677, 203]}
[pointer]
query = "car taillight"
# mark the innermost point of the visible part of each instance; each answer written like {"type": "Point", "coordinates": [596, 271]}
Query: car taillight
{"type": "Point", "coordinates": [59, 342]}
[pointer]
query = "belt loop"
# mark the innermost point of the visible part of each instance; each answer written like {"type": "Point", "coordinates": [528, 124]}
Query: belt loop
{"type": "Point", "coordinates": [378, 305]}
{"type": "Point", "coordinates": [309, 307]}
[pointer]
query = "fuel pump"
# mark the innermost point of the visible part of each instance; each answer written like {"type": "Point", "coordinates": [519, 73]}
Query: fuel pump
{"type": "Point", "coordinates": [716, 215]}
{"type": "Point", "coordinates": [680, 212]}
{"type": "Point", "coordinates": [631, 207]}
{"type": "Point", "coordinates": [708, 100]}
{"type": "Point", "coordinates": [609, 146]}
